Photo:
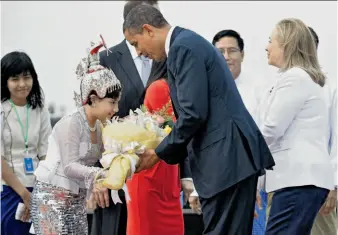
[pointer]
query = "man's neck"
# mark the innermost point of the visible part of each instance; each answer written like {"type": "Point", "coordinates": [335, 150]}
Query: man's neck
{"type": "Point", "coordinates": [236, 75]}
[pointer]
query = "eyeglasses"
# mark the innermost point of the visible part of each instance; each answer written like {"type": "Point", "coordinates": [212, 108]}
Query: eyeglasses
{"type": "Point", "coordinates": [230, 51]}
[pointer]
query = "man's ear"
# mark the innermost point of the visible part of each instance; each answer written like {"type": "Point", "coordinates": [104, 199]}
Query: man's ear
{"type": "Point", "coordinates": [242, 53]}
{"type": "Point", "coordinates": [148, 29]}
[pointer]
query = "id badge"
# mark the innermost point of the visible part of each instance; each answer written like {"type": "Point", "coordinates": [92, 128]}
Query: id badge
{"type": "Point", "coordinates": [28, 165]}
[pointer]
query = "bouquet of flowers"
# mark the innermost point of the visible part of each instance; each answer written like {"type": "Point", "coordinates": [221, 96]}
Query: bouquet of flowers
{"type": "Point", "coordinates": [123, 140]}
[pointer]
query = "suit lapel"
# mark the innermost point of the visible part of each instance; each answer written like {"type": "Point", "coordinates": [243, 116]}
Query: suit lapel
{"type": "Point", "coordinates": [173, 94]}
{"type": "Point", "coordinates": [128, 66]}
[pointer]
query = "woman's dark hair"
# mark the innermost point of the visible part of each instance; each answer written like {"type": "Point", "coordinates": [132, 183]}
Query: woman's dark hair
{"type": "Point", "coordinates": [16, 63]}
{"type": "Point", "coordinates": [158, 71]}
{"type": "Point", "coordinates": [113, 95]}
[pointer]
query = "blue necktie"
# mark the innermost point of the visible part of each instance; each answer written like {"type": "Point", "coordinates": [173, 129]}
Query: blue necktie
{"type": "Point", "coordinates": [145, 70]}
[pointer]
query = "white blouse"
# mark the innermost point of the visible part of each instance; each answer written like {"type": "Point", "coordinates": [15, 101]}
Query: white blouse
{"type": "Point", "coordinates": [293, 118]}
{"type": "Point", "coordinates": [12, 140]}
{"type": "Point", "coordinates": [71, 156]}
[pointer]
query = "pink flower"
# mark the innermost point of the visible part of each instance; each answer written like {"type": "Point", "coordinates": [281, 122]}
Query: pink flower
{"type": "Point", "coordinates": [160, 119]}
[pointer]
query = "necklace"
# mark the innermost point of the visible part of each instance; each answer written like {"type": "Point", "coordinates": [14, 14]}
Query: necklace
{"type": "Point", "coordinates": [92, 129]}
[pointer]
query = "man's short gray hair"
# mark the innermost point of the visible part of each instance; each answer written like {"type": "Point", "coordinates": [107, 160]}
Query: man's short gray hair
{"type": "Point", "coordinates": [143, 14]}
{"type": "Point", "coordinates": [131, 4]}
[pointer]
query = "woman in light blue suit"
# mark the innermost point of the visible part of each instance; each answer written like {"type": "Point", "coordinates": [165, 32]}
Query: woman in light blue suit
{"type": "Point", "coordinates": [294, 122]}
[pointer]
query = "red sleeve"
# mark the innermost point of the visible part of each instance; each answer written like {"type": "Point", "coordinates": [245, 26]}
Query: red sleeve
{"type": "Point", "coordinates": [157, 95]}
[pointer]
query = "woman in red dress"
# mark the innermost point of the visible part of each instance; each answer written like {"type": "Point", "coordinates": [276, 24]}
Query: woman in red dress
{"type": "Point", "coordinates": [154, 207]}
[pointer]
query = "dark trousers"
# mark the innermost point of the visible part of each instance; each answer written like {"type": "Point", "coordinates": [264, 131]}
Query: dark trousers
{"type": "Point", "coordinates": [111, 220]}
{"type": "Point", "coordinates": [231, 211]}
{"type": "Point", "coordinates": [294, 209]}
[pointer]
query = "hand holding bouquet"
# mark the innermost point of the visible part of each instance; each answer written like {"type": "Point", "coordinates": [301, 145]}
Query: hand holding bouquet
{"type": "Point", "coordinates": [123, 140]}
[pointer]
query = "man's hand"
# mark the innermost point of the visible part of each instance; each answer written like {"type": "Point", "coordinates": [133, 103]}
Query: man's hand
{"type": "Point", "coordinates": [188, 188]}
{"type": "Point", "coordinates": [259, 203]}
{"type": "Point", "coordinates": [330, 203]}
{"type": "Point", "coordinates": [147, 160]}
{"type": "Point", "coordinates": [195, 204]}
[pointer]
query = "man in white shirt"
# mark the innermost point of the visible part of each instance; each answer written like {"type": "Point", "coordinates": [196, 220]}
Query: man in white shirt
{"type": "Point", "coordinates": [231, 45]}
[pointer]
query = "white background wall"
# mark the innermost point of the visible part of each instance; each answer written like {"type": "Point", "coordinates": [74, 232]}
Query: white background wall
{"type": "Point", "coordinates": [56, 34]}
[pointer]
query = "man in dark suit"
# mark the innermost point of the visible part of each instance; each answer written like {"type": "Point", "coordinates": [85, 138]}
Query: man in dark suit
{"type": "Point", "coordinates": [135, 73]}
{"type": "Point", "coordinates": [227, 150]}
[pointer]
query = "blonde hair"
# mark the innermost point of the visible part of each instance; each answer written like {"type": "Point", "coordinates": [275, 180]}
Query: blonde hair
{"type": "Point", "coordinates": [299, 48]}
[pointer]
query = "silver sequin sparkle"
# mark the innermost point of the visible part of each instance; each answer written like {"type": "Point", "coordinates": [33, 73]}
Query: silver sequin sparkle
{"type": "Point", "coordinates": [57, 211]}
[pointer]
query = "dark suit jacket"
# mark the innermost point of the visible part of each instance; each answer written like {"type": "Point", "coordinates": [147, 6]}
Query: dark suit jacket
{"type": "Point", "coordinates": [122, 64]}
{"type": "Point", "coordinates": [225, 144]}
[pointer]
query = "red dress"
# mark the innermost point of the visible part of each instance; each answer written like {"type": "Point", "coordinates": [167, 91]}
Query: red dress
{"type": "Point", "coordinates": [155, 207]}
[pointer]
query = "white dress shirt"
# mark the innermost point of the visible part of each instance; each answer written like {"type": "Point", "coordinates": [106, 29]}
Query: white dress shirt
{"type": "Point", "coordinates": [136, 58]}
{"type": "Point", "coordinates": [249, 93]}
{"type": "Point", "coordinates": [168, 38]}
{"type": "Point", "coordinates": [293, 118]}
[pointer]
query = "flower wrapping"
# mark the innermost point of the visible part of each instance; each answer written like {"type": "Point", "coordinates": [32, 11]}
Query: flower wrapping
{"type": "Point", "coordinates": [123, 140]}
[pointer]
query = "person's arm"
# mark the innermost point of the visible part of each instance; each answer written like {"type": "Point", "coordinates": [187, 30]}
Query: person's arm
{"type": "Point", "coordinates": [191, 82]}
{"type": "Point", "coordinates": [68, 138]}
{"type": "Point", "coordinates": [45, 131]}
{"type": "Point", "coordinates": [7, 173]}
{"type": "Point", "coordinates": [290, 96]}
{"type": "Point", "coordinates": [333, 136]}
{"type": "Point", "coordinates": [12, 181]}
{"type": "Point", "coordinates": [330, 203]}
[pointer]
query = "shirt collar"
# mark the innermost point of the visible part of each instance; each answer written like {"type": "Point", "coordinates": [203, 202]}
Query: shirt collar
{"type": "Point", "coordinates": [132, 50]}
{"type": "Point", "coordinates": [167, 40]}
{"type": "Point", "coordinates": [239, 79]}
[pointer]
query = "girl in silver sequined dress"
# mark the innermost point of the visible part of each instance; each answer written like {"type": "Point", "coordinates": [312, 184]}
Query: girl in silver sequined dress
{"type": "Point", "coordinates": [66, 178]}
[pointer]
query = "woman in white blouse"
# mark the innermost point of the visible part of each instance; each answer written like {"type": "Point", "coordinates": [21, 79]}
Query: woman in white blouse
{"type": "Point", "coordinates": [25, 130]}
{"type": "Point", "coordinates": [294, 122]}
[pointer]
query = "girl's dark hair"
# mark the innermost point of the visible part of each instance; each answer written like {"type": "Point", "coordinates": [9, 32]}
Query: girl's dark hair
{"type": "Point", "coordinates": [113, 95]}
{"type": "Point", "coordinates": [13, 64]}
{"type": "Point", "coordinates": [158, 71]}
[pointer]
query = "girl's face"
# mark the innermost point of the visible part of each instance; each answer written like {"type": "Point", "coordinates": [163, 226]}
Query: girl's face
{"type": "Point", "coordinates": [106, 108]}
{"type": "Point", "coordinates": [20, 86]}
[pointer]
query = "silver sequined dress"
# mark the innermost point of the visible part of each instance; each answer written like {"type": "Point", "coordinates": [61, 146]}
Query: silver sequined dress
{"type": "Point", "coordinates": [64, 179]}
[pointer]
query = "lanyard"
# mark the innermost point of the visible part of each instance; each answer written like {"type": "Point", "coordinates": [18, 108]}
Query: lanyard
{"type": "Point", "coordinates": [25, 136]}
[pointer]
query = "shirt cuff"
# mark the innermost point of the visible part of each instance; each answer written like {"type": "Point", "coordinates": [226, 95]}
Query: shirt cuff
{"type": "Point", "coordinates": [189, 179]}
{"type": "Point", "coordinates": [194, 194]}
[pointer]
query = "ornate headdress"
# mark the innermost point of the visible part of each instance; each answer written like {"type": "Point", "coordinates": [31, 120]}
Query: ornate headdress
{"type": "Point", "coordinates": [93, 76]}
